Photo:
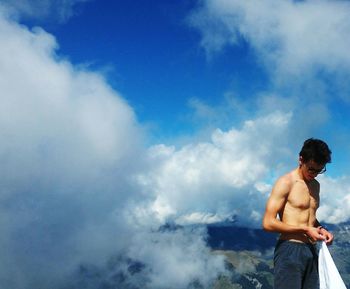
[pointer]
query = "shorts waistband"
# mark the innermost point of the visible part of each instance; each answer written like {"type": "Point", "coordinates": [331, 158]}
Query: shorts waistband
{"type": "Point", "coordinates": [310, 245]}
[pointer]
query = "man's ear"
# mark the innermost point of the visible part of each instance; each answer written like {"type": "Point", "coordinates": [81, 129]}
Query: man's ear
{"type": "Point", "coordinates": [300, 160]}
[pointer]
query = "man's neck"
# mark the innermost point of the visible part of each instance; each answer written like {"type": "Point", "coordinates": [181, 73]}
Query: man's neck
{"type": "Point", "coordinates": [301, 176]}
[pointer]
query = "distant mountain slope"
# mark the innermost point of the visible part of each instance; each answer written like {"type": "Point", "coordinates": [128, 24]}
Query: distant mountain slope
{"type": "Point", "coordinates": [238, 238]}
{"type": "Point", "coordinates": [249, 255]}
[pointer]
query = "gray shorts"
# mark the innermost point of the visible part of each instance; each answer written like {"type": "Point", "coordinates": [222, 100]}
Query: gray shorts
{"type": "Point", "coordinates": [295, 265]}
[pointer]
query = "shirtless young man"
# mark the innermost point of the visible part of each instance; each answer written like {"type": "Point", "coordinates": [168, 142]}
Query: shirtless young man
{"type": "Point", "coordinates": [291, 211]}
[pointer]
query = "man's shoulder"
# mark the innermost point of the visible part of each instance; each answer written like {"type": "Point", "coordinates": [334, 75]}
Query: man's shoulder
{"type": "Point", "coordinates": [285, 182]}
{"type": "Point", "coordinates": [286, 179]}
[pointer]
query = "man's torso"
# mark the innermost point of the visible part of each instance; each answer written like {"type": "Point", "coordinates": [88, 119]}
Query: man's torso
{"type": "Point", "coordinates": [300, 206]}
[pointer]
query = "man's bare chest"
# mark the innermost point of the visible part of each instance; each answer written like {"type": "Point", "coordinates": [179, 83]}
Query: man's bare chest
{"type": "Point", "coordinates": [302, 197]}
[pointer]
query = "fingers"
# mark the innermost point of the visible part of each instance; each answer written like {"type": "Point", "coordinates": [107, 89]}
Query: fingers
{"type": "Point", "coordinates": [330, 238]}
{"type": "Point", "coordinates": [314, 233]}
{"type": "Point", "coordinates": [322, 237]}
{"type": "Point", "coordinates": [320, 234]}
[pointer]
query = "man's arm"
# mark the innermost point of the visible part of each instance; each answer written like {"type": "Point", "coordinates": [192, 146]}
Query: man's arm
{"type": "Point", "coordinates": [275, 204]}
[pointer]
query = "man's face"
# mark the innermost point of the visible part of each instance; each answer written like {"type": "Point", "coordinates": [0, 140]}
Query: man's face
{"type": "Point", "coordinates": [311, 169]}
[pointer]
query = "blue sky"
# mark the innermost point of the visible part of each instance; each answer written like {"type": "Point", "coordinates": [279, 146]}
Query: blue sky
{"type": "Point", "coordinates": [153, 55]}
{"type": "Point", "coordinates": [119, 116]}
{"type": "Point", "coordinates": [150, 54]}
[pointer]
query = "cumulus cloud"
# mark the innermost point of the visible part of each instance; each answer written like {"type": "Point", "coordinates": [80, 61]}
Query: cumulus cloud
{"type": "Point", "coordinates": [303, 46]}
{"type": "Point", "coordinates": [291, 35]}
{"type": "Point", "coordinates": [177, 258]}
{"type": "Point", "coordinates": [78, 186]}
{"type": "Point", "coordinates": [64, 160]}
{"type": "Point", "coordinates": [335, 200]}
{"type": "Point", "coordinates": [72, 154]}
{"type": "Point", "coordinates": [224, 176]}
{"type": "Point", "coordinates": [229, 175]}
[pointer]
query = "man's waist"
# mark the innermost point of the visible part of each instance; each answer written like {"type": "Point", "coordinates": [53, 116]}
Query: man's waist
{"type": "Point", "coordinates": [298, 238]}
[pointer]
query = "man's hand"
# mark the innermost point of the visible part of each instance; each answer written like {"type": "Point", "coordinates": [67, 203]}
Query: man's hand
{"type": "Point", "coordinates": [315, 234]}
{"type": "Point", "coordinates": [328, 236]}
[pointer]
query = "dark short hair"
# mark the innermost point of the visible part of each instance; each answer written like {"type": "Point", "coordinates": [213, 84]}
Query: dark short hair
{"type": "Point", "coordinates": [316, 150]}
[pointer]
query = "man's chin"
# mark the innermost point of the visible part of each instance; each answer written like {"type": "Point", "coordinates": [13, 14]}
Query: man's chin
{"type": "Point", "coordinates": [310, 178]}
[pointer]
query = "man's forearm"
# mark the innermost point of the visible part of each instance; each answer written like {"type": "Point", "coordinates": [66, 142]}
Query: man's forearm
{"type": "Point", "coordinates": [277, 226]}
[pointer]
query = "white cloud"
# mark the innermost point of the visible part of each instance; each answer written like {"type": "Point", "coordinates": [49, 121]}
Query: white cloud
{"type": "Point", "coordinates": [64, 160]}
{"type": "Point", "coordinates": [58, 10]}
{"type": "Point", "coordinates": [70, 151]}
{"type": "Point", "coordinates": [335, 200]}
{"type": "Point", "coordinates": [201, 218]}
{"type": "Point", "coordinates": [292, 38]}
{"type": "Point", "coordinates": [232, 173]}
{"type": "Point", "coordinates": [77, 186]}
{"type": "Point", "coordinates": [177, 258]}
{"type": "Point", "coordinates": [218, 177]}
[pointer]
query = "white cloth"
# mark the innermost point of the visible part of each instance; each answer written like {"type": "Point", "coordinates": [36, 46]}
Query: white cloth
{"type": "Point", "coordinates": [328, 272]}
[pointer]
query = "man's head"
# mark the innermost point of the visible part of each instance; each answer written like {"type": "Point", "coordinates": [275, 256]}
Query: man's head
{"type": "Point", "coordinates": [314, 156]}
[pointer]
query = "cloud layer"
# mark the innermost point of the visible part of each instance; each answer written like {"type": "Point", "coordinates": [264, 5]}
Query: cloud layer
{"type": "Point", "coordinates": [72, 153]}
{"type": "Point", "coordinates": [303, 47]}
{"type": "Point", "coordinates": [78, 185]}
{"type": "Point", "coordinates": [64, 160]}
{"type": "Point", "coordinates": [335, 200]}
{"type": "Point", "coordinates": [221, 176]}
{"type": "Point", "coordinates": [289, 37]}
